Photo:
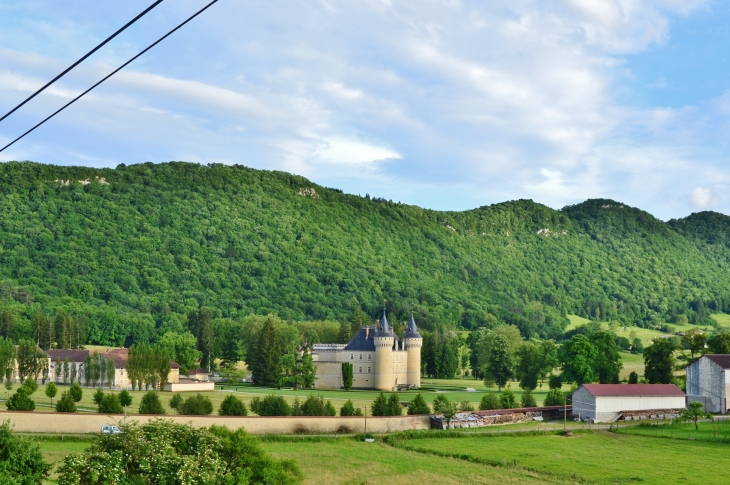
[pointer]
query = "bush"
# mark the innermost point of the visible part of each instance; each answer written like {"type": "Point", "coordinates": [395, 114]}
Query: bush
{"type": "Point", "coordinates": [150, 404]}
{"type": "Point", "coordinates": [66, 404]}
{"type": "Point", "coordinates": [527, 400]}
{"type": "Point", "coordinates": [554, 398]}
{"type": "Point", "coordinates": [389, 406]}
{"type": "Point", "coordinates": [166, 452]}
{"type": "Point", "coordinates": [197, 405]}
{"type": "Point", "coordinates": [98, 396]}
{"type": "Point", "coordinates": [176, 402]}
{"type": "Point", "coordinates": [418, 405]}
{"type": "Point", "coordinates": [110, 404]}
{"type": "Point", "coordinates": [75, 392]}
{"type": "Point", "coordinates": [465, 406]}
{"type": "Point", "coordinates": [20, 401]}
{"type": "Point", "coordinates": [348, 409]}
{"type": "Point", "coordinates": [22, 460]}
{"type": "Point", "coordinates": [508, 400]}
{"type": "Point", "coordinates": [125, 398]}
{"type": "Point", "coordinates": [489, 402]}
{"type": "Point", "coordinates": [30, 386]}
{"type": "Point", "coordinates": [633, 378]}
{"type": "Point", "coordinates": [232, 406]}
{"type": "Point", "coordinates": [317, 406]}
{"type": "Point", "coordinates": [270, 405]}
{"type": "Point", "coordinates": [440, 403]}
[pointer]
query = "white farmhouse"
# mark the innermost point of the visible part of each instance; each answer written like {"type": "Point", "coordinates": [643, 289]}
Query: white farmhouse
{"type": "Point", "coordinates": [608, 402]}
{"type": "Point", "coordinates": [708, 381]}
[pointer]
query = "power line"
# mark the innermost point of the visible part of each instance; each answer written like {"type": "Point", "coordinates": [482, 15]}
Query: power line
{"type": "Point", "coordinates": [111, 74]}
{"type": "Point", "coordinates": [83, 58]}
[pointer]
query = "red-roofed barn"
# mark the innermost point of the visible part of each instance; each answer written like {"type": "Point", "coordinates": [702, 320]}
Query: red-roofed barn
{"type": "Point", "coordinates": [608, 402]}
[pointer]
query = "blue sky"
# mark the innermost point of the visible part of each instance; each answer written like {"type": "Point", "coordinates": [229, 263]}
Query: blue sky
{"type": "Point", "coordinates": [446, 104]}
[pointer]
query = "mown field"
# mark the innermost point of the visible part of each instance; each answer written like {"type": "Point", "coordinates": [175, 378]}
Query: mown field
{"type": "Point", "coordinates": [591, 456]}
{"type": "Point", "coordinates": [433, 457]}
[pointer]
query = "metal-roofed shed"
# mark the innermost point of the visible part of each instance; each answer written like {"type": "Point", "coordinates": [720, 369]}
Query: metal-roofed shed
{"type": "Point", "coordinates": [607, 402]}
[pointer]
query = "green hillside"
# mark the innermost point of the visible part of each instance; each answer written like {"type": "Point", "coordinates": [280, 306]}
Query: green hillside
{"type": "Point", "coordinates": [133, 250]}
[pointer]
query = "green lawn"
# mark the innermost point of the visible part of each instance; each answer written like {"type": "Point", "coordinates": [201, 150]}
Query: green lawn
{"type": "Point", "coordinates": [717, 431]}
{"type": "Point", "coordinates": [54, 450]}
{"type": "Point", "coordinates": [595, 457]}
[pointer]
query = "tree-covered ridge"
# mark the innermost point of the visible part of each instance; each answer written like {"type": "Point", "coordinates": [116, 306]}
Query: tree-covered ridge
{"type": "Point", "coordinates": [134, 250]}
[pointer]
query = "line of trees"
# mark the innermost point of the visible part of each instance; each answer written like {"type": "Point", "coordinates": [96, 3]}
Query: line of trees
{"type": "Point", "coordinates": [148, 366]}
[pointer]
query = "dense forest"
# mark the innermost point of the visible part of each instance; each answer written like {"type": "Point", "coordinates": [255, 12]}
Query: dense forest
{"type": "Point", "coordinates": [131, 252]}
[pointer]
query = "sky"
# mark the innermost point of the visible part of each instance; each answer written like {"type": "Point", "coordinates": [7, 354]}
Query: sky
{"type": "Point", "coordinates": [445, 104]}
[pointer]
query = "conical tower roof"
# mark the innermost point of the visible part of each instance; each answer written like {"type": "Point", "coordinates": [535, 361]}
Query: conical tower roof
{"type": "Point", "coordinates": [412, 330]}
{"type": "Point", "coordinates": [385, 330]}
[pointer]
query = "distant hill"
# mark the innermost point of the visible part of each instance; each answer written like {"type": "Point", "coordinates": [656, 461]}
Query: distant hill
{"type": "Point", "coordinates": [134, 249]}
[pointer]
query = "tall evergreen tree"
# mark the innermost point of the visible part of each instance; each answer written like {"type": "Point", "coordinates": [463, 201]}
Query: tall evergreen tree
{"type": "Point", "coordinates": [265, 362]}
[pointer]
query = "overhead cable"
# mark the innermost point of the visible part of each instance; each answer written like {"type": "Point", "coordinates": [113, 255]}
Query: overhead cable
{"type": "Point", "coordinates": [111, 74]}
{"type": "Point", "coordinates": [83, 58]}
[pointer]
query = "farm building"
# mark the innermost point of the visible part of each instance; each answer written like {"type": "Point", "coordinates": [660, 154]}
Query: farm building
{"type": "Point", "coordinates": [609, 402]}
{"type": "Point", "coordinates": [708, 381]}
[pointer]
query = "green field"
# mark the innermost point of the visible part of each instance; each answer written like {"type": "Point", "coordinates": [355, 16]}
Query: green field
{"type": "Point", "coordinates": [710, 431]}
{"type": "Point", "coordinates": [592, 457]}
{"type": "Point", "coordinates": [432, 457]}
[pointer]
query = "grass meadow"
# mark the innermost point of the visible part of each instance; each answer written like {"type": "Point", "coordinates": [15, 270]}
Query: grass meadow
{"type": "Point", "coordinates": [516, 458]}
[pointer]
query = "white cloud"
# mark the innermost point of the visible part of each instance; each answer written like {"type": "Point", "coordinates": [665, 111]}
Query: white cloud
{"type": "Point", "coordinates": [702, 198]}
{"type": "Point", "coordinates": [346, 152]}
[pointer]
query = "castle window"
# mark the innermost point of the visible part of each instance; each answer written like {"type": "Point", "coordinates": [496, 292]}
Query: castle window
{"type": "Point", "coordinates": [370, 356]}
{"type": "Point", "coordinates": [359, 369]}
{"type": "Point", "coordinates": [360, 356]}
{"type": "Point", "coordinates": [370, 369]}
{"type": "Point", "coordinates": [402, 368]}
{"type": "Point", "coordinates": [352, 356]}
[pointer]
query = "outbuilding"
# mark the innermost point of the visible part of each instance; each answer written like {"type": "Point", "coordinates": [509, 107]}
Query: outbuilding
{"type": "Point", "coordinates": [609, 402]}
{"type": "Point", "coordinates": [708, 381]}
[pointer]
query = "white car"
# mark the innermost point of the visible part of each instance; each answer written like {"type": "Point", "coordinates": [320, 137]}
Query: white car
{"type": "Point", "coordinates": [110, 429]}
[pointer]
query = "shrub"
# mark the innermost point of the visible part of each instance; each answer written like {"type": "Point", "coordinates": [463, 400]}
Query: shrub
{"type": "Point", "coordinates": [296, 408]}
{"type": "Point", "coordinates": [317, 406]}
{"type": "Point", "coordinates": [125, 398]}
{"type": "Point", "coordinates": [150, 404]}
{"type": "Point", "coordinates": [508, 400]}
{"type": "Point", "coordinates": [347, 375]}
{"type": "Point", "coordinates": [22, 459]}
{"type": "Point", "coordinates": [232, 406]}
{"type": "Point", "coordinates": [633, 377]}
{"type": "Point", "coordinates": [66, 404]}
{"type": "Point", "coordinates": [465, 406]}
{"type": "Point", "coordinates": [394, 407]}
{"type": "Point", "coordinates": [554, 398]}
{"type": "Point", "coordinates": [270, 405]}
{"type": "Point", "coordinates": [418, 405]}
{"type": "Point", "coordinates": [389, 406]}
{"type": "Point", "coordinates": [110, 404]}
{"type": "Point", "coordinates": [98, 396]}
{"type": "Point", "coordinates": [20, 401]}
{"type": "Point", "coordinates": [528, 400]}
{"type": "Point", "coordinates": [75, 392]}
{"type": "Point", "coordinates": [166, 452]}
{"type": "Point", "coordinates": [176, 401]}
{"type": "Point", "coordinates": [440, 403]}
{"type": "Point", "coordinates": [489, 402]}
{"type": "Point", "coordinates": [348, 409]}
{"type": "Point", "coordinates": [197, 405]}
{"type": "Point", "coordinates": [30, 386]}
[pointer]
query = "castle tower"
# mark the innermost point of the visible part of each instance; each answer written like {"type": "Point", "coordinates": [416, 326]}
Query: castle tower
{"type": "Point", "coordinates": [383, 356]}
{"type": "Point", "coordinates": [413, 341]}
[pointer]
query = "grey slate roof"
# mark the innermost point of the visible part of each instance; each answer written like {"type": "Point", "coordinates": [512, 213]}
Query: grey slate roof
{"type": "Point", "coordinates": [363, 340]}
{"type": "Point", "coordinates": [412, 330]}
{"type": "Point", "coordinates": [385, 331]}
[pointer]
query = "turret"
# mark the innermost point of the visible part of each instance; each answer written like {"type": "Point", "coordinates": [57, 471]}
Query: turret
{"type": "Point", "coordinates": [383, 355]}
{"type": "Point", "coordinates": [412, 342]}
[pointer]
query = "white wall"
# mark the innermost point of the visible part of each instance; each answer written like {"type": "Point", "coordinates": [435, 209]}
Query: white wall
{"type": "Point", "coordinates": [614, 404]}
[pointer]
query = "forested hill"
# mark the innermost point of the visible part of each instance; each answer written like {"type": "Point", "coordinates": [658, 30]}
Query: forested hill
{"type": "Point", "coordinates": [133, 250]}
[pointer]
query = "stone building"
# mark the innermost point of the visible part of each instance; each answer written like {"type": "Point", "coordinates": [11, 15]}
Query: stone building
{"type": "Point", "coordinates": [609, 402]}
{"type": "Point", "coordinates": [708, 381]}
{"type": "Point", "coordinates": [379, 359]}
